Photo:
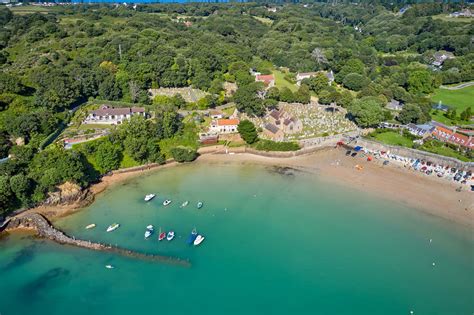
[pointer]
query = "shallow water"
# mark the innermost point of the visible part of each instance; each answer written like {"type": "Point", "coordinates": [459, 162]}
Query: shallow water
{"type": "Point", "coordinates": [278, 241]}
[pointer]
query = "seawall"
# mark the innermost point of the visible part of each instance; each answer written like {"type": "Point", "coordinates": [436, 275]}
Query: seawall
{"type": "Point", "coordinates": [37, 222]}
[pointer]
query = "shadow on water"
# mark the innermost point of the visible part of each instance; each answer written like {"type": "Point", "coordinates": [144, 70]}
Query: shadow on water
{"type": "Point", "coordinates": [44, 281]}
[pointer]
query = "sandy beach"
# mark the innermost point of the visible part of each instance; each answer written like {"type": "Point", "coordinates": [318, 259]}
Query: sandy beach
{"type": "Point", "coordinates": [394, 182]}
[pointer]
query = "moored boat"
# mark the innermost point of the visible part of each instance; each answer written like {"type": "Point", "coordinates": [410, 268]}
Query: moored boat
{"type": "Point", "coordinates": [161, 235]}
{"type": "Point", "coordinates": [198, 240]}
{"type": "Point", "coordinates": [170, 235]}
{"type": "Point", "coordinates": [90, 226]}
{"type": "Point", "coordinates": [200, 204]}
{"type": "Point", "coordinates": [192, 237]}
{"type": "Point", "coordinates": [166, 202]}
{"type": "Point", "coordinates": [149, 231]}
{"type": "Point", "coordinates": [149, 197]}
{"type": "Point", "coordinates": [113, 227]}
{"type": "Point", "coordinates": [109, 266]}
{"type": "Point", "coordinates": [184, 204]}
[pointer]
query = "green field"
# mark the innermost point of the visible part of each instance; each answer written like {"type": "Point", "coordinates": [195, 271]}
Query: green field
{"type": "Point", "coordinates": [394, 138]}
{"type": "Point", "coordinates": [459, 99]}
{"type": "Point", "coordinates": [280, 81]}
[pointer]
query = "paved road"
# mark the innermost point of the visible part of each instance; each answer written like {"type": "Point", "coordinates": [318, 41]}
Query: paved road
{"type": "Point", "coordinates": [457, 87]}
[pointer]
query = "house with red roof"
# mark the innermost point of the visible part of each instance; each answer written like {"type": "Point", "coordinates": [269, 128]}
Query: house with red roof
{"type": "Point", "coordinates": [445, 134]}
{"type": "Point", "coordinates": [221, 126]}
{"type": "Point", "coordinates": [267, 79]}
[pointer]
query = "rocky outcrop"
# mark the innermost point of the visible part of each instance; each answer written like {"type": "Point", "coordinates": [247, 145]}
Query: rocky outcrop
{"type": "Point", "coordinates": [66, 193]}
{"type": "Point", "coordinates": [38, 223]}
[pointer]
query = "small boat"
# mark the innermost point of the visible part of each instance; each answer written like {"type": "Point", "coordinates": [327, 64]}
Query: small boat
{"type": "Point", "coordinates": [161, 235]}
{"type": "Point", "coordinates": [184, 204]}
{"type": "Point", "coordinates": [113, 227]}
{"type": "Point", "coordinates": [149, 197]}
{"type": "Point", "coordinates": [200, 204]}
{"type": "Point", "coordinates": [198, 240]}
{"type": "Point", "coordinates": [149, 231]}
{"type": "Point", "coordinates": [109, 266]}
{"type": "Point", "coordinates": [90, 226]}
{"type": "Point", "coordinates": [170, 235]}
{"type": "Point", "coordinates": [192, 237]}
{"type": "Point", "coordinates": [166, 202]}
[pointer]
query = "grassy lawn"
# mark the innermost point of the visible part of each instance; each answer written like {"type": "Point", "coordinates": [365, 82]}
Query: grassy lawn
{"type": "Point", "coordinates": [445, 151]}
{"type": "Point", "coordinates": [30, 9]}
{"type": "Point", "coordinates": [394, 138]}
{"type": "Point", "coordinates": [439, 117]}
{"type": "Point", "coordinates": [280, 81]}
{"type": "Point", "coordinates": [127, 161]}
{"type": "Point", "coordinates": [459, 99]}
{"type": "Point", "coordinates": [447, 18]}
{"type": "Point", "coordinates": [189, 139]}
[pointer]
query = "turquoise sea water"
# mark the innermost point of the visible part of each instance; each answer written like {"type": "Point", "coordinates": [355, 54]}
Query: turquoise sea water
{"type": "Point", "coordinates": [276, 243]}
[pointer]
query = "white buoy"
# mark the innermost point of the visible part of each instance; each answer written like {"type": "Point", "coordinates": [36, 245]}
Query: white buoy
{"type": "Point", "coordinates": [411, 312]}
{"type": "Point", "coordinates": [434, 264]}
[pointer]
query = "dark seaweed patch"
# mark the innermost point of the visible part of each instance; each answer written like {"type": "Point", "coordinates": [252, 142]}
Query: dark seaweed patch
{"type": "Point", "coordinates": [283, 170]}
{"type": "Point", "coordinates": [22, 257]}
{"type": "Point", "coordinates": [47, 279]}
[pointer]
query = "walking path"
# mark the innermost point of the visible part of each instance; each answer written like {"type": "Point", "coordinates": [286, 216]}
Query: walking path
{"type": "Point", "coordinates": [457, 87]}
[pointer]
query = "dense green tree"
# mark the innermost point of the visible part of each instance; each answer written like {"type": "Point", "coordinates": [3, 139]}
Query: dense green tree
{"type": "Point", "coordinates": [181, 154]}
{"type": "Point", "coordinates": [21, 186]}
{"type": "Point", "coordinates": [247, 131]}
{"type": "Point", "coordinates": [466, 114]}
{"type": "Point", "coordinates": [273, 93]}
{"type": "Point", "coordinates": [355, 81]}
{"type": "Point", "coordinates": [5, 194]}
{"type": "Point", "coordinates": [411, 113]}
{"type": "Point", "coordinates": [420, 81]}
{"type": "Point", "coordinates": [108, 156]}
{"type": "Point", "coordinates": [286, 95]}
{"type": "Point", "coordinates": [366, 113]}
{"type": "Point", "coordinates": [247, 100]}
{"type": "Point", "coordinates": [351, 66]}
{"type": "Point", "coordinates": [303, 95]}
{"type": "Point", "coordinates": [318, 82]}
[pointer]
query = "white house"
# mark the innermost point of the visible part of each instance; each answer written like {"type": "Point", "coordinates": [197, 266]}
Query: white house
{"type": "Point", "coordinates": [224, 126]}
{"type": "Point", "coordinates": [216, 114]}
{"type": "Point", "coordinates": [113, 116]}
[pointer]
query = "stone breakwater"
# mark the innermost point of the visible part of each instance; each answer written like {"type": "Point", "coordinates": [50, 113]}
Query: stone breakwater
{"type": "Point", "coordinates": [38, 223]}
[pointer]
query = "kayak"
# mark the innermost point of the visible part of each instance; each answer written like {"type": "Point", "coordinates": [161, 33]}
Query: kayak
{"type": "Point", "coordinates": [198, 240]}
{"type": "Point", "coordinates": [170, 235]}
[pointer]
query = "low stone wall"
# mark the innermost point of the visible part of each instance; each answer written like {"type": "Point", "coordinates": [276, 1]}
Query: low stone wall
{"type": "Point", "coordinates": [38, 223]}
{"type": "Point", "coordinates": [413, 154]}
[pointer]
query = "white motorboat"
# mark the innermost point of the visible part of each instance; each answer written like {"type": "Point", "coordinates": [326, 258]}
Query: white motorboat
{"type": "Point", "coordinates": [149, 197]}
{"type": "Point", "coordinates": [90, 226]}
{"type": "Point", "coordinates": [198, 240]}
{"type": "Point", "coordinates": [113, 227]}
{"type": "Point", "coordinates": [150, 227]}
{"type": "Point", "coordinates": [170, 235]}
{"type": "Point", "coordinates": [166, 202]}
{"type": "Point", "coordinates": [109, 266]}
{"type": "Point", "coordinates": [200, 204]}
{"type": "Point", "coordinates": [148, 233]}
{"type": "Point", "coordinates": [184, 204]}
